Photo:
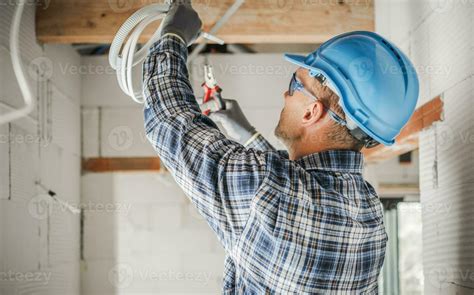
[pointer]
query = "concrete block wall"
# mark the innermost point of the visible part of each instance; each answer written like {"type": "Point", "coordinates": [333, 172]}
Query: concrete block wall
{"type": "Point", "coordinates": [439, 37]}
{"type": "Point", "coordinates": [146, 239]}
{"type": "Point", "coordinates": [39, 237]}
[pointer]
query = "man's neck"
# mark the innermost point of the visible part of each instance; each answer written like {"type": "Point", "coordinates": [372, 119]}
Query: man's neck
{"type": "Point", "coordinates": [301, 149]}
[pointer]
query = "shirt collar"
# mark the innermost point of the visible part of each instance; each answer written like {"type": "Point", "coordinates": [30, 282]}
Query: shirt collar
{"type": "Point", "coordinates": [334, 160]}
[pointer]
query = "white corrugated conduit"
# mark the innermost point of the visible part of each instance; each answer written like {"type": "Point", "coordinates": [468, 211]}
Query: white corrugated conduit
{"type": "Point", "coordinates": [123, 56]}
{"type": "Point", "coordinates": [25, 87]}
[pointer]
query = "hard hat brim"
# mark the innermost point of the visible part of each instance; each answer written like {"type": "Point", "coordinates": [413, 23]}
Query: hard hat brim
{"type": "Point", "coordinates": [299, 60]}
{"type": "Point", "coordinates": [296, 59]}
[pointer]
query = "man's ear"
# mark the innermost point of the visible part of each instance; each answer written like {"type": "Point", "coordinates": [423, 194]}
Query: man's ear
{"type": "Point", "coordinates": [313, 113]}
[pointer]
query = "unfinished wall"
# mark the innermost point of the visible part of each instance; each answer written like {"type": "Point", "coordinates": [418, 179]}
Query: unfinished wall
{"type": "Point", "coordinates": [439, 38]}
{"type": "Point", "coordinates": [39, 237]}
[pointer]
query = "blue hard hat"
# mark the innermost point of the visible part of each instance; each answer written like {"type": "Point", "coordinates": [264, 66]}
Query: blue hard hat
{"type": "Point", "coordinates": [376, 83]}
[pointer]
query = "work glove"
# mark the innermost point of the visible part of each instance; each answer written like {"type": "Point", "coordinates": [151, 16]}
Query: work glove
{"type": "Point", "coordinates": [234, 122]}
{"type": "Point", "coordinates": [183, 21]}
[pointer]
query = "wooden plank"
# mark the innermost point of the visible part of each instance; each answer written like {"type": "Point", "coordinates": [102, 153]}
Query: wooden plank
{"type": "Point", "coordinates": [391, 190]}
{"type": "Point", "coordinates": [407, 140]}
{"type": "Point", "coordinates": [257, 21]}
{"type": "Point", "coordinates": [100, 165]}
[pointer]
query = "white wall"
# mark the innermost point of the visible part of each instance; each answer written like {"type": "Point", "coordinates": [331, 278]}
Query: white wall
{"type": "Point", "coordinates": [39, 248]}
{"type": "Point", "coordinates": [150, 240]}
{"type": "Point", "coordinates": [439, 38]}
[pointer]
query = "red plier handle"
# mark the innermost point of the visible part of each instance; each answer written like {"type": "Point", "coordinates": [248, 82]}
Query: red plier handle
{"type": "Point", "coordinates": [212, 101]}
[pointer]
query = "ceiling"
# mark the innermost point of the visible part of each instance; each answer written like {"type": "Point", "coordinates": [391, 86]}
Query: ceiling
{"type": "Point", "coordinates": [256, 21]}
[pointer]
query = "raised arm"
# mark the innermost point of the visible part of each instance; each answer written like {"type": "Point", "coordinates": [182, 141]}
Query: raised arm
{"type": "Point", "coordinates": [219, 175]}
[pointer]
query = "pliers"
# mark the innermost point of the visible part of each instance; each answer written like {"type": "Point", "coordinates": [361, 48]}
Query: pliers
{"type": "Point", "coordinates": [212, 101]}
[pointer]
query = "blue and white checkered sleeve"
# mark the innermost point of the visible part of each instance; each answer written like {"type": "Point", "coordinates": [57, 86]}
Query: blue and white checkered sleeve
{"type": "Point", "coordinates": [259, 142]}
{"type": "Point", "coordinates": [219, 175]}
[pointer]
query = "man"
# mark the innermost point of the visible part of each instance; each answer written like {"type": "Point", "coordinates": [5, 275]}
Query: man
{"type": "Point", "coordinates": [300, 222]}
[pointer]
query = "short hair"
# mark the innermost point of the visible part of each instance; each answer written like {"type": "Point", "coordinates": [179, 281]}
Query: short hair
{"type": "Point", "coordinates": [330, 100]}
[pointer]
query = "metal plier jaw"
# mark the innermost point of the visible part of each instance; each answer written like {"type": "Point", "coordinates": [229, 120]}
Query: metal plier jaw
{"type": "Point", "coordinates": [209, 77]}
{"type": "Point", "coordinates": [212, 101]}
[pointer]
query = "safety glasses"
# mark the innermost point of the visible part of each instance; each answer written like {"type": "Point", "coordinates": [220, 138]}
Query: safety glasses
{"type": "Point", "coordinates": [296, 85]}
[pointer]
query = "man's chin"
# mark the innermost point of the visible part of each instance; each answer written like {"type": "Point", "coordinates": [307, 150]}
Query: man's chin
{"type": "Point", "coordinates": [277, 132]}
{"type": "Point", "coordinates": [281, 135]}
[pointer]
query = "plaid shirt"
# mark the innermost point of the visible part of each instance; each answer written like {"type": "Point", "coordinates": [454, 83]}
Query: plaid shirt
{"type": "Point", "coordinates": [307, 226]}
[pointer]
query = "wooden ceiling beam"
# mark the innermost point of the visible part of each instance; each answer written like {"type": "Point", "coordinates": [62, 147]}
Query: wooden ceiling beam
{"type": "Point", "coordinates": [257, 21]}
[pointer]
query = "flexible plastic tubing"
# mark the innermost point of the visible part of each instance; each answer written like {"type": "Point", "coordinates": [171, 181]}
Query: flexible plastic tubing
{"type": "Point", "coordinates": [123, 56]}
{"type": "Point", "coordinates": [18, 69]}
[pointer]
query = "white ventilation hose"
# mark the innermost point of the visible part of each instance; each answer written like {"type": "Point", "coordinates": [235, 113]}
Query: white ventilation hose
{"type": "Point", "coordinates": [123, 58]}
{"type": "Point", "coordinates": [18, 68]}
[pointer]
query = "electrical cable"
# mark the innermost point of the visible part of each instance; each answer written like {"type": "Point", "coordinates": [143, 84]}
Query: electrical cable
{"type": "Point", "coordinates": [25, 88]}
{"type": "Point", "coordinates": [123, 57]}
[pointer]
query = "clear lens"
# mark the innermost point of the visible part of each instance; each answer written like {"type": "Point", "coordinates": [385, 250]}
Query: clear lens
{"type": "Point", "coordinates": [292, 86]}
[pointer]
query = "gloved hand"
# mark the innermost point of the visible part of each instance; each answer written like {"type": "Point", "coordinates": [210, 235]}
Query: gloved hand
{"type": "Point", "coordinates": [183, 21]}
{"type": "Point", "coordinates": [234, 122]}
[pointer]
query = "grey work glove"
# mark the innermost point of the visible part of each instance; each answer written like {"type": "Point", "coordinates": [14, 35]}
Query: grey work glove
{"type": "Point", "coordinates": [183, 21]}
{"type": "Point", "coordinates": [234, 122]}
